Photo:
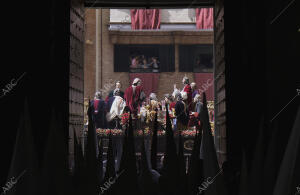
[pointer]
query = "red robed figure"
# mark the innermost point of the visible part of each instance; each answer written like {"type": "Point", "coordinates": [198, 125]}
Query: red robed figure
{"type": "Point", "coordinates": [133, 100]}
{"type": "Point", "coordinates": [189, 92]}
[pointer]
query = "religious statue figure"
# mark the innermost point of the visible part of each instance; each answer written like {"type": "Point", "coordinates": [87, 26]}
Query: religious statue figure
{"type": "Point", "coordinates": [194, 118]}
{"type": "Point", "coordinates": [187, 88]}
{"type": "Point", "coordinates": [194, 89]}
{"type": "Point", "coordinates": [111, 93]}
{"type": "Point", "coordinates": [181, 111]}
{"type": "Point", "coordinates": [116, 108]}
{"type": "Point", "coordinates": [99, 111]}
{"type": "Point", "coordinates": [134, 96]}
{"type": "Point", "coordinates": [153, 101]}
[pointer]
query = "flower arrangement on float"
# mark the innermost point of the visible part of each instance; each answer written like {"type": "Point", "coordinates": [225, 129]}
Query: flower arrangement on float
{"type": "Point", "coordinates": [148, 115]}
{"type": "Point", "coordinates": [124, 118]}
{"type": "Point", "coordinates": [147, 132]}
{"type": "Point", "coordinates": [106, 132]}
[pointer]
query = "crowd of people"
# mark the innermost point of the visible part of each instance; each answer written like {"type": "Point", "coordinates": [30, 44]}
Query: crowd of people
{"type": "Point", "coordinates": [142, 61]}
{"type": "Point", "coordinates": [184, 106]}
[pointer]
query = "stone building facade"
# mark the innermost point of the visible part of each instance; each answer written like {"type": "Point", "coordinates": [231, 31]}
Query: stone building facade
{"type": "Point", "coordinates": [106, 27]}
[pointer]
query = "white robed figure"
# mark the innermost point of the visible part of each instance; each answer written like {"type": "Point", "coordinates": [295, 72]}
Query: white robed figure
{"type": "Point", "coordinates": [117, 107]}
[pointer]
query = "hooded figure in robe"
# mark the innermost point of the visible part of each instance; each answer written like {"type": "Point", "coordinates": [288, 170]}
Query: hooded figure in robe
{"type": "Point", "coordinates": [187, 88]}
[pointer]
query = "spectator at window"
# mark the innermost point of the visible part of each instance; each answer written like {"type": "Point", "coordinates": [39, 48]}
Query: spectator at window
{"type": "Point", "coordinates": [134, 62]}
{"type": "Point", "coordinates": [154, 64]}
{"type": "Point", "coordinates": [145, 64]}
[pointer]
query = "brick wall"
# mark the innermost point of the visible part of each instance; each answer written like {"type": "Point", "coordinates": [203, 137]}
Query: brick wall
{"type": "Point", "coordinates": [90, 53]}
{"type": "Point", "coordinates": [108, 74]}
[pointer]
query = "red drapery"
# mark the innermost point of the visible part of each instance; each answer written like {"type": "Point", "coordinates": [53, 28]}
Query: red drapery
{"type": "Point", "coordinates": [205, 83]}
{"type": "Point", "coordinates": [149, 81]}
{"type": "Point", "coordinates": [145, 19]}
{"type": "Point", "coordinates": [204, 18]}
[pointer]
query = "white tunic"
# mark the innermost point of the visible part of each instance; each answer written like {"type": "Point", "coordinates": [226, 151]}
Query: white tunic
{"type": "Point", "coordinates": [116, 109]}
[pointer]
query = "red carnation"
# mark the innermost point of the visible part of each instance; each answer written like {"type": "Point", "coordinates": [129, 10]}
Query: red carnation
{"type": "Point", "coordinates": [125, 118]}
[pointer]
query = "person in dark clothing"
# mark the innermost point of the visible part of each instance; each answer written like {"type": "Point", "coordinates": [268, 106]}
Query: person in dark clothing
{"type": "Point", "coordinates": [195, 117]}
{"type": "Point", "coordinates": [198, 104]}
{"type": "Point", "coordinates": [194, 89]}
{"type": "Point", "coordinates": [109, 103]}
{"type": "Point", "coordinates": [170, 100]}
{"type": "Point", "coordinates": [111, 93]}
{"type": "Point", "coordinates": [181, 112]}
{"type": "Point", "coordinates": [110, 124]}
{"type": "Point", "coordinates": [98, 107]}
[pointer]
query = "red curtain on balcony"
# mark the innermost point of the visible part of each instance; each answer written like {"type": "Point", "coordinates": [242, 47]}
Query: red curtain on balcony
{"type": "Point", "coordinates": [145, 19]}
{"type": "Point", "coordinates": [205, 83]}
{"type": "Point", "coordinates": [149, 81]}
{"type": "Point", "coordinates": [204, 18]}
